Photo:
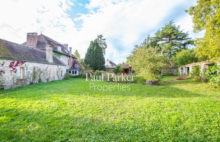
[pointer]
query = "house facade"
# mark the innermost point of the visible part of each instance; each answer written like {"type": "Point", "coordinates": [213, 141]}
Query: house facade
{"type": "Point", "coordinates": [39, 59]}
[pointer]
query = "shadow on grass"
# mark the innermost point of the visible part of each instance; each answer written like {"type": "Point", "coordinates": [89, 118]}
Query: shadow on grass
{"type": "Point", "coordinates": [47, 126]}
{"type": "Point", "coordinates": [42, 126]}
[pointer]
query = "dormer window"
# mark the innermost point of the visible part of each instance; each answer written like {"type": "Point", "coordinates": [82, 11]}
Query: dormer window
{"type": "Point", "coordinates": [59, 48]}
{"type": "Point", "coordinates": [65, 50]}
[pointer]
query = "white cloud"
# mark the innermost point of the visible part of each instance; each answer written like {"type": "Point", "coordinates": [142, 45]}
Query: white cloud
{"type": "Point", "coordinates": [120, 21]}
{"type": "Point", "coordinates": [125, 20]}
{"type": "Point", "coordinates": [186, 24]}
{"type": "Point", "coordinates": [22, 16]}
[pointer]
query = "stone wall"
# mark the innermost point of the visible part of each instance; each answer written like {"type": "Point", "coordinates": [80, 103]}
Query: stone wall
{"type": "Point", "coordinates": [19, 73]}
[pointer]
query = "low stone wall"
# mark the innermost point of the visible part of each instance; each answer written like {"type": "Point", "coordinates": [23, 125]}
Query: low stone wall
{"type": "Point", "coordinates": [19, 73]}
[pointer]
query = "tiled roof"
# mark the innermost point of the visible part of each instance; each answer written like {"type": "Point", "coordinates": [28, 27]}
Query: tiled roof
{"type": "Point", "coordinates": [199, 63]}
{"type": "Point", "coordinates": [76, 64]}
{"type": "Point", "coordinates": [57, 47]}
{"type": "Point", "coordinates": [13, 51]}
{"type": "Point", "coordinates": [125, 66]}
{"type": "Point", "coordinates": [41, 42]}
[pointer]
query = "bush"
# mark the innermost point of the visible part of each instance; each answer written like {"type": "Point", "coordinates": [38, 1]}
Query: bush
{"type": "Point", "coordinates": [97, 73]}
{"type": "Point", "coordinates": [148, 62]}
{"type": "Point", "coordinates": [111, 70]}
{"type": "Point", "coordinates": [67, 76]}
{"type": "Point", "coordinates": [117, 69]}
{"type": "Point", "coordinates": [213, 75]}
{"type": "Point", "coordinates": [195, 74]}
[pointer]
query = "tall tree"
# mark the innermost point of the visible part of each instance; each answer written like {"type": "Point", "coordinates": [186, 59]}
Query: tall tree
{"type": "Point", "coordinates": [102, 43]}
{"type": "Point", "coordinates": [77, 55]}
{"type": "Point", "coordinates": [206, 16]}
{"type": "Point", "coordinates": [147, 62]}
{"type": "Point", "coordinates": [94, 56]}
{"type": "Point", "coordinates": [171, 39]}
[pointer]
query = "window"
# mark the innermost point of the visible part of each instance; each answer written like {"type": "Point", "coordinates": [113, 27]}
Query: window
{"type": "Point", "coordinates": [20, 73]}
{"type": "Point", "coordinates": [73, 72]}
{"type": "Point", "coordinates": [59, 48]}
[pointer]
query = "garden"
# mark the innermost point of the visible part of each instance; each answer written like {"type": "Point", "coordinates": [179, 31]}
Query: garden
{"type": "Point", "coordinates": [70, 110]}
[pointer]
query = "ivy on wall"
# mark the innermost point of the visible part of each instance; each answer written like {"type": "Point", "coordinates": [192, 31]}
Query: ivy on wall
{"type": "Point", "coordinates": [57, 54]}
{"type": "Point", "coordinates": [14, 64]}
{"type": "Point", "coordinates": [2, 71]}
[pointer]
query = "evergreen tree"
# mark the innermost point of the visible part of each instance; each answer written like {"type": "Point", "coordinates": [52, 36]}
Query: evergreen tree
{"type": "Point", "coordinates": [94, 57]}
{"type": "Point", "coordinates": [170, 40]}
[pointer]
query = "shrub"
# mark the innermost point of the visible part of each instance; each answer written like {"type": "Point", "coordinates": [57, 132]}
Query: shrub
{"type": "Point", "coordinates": [97, 73]}
{"type": "Point", "coordinates": [67, 76]}
{"type": "Point", "coordinates": [195, 74]}
{"type": "Point", "coordinates": [117, 69]}
{"type": "Point", "coordinates": [83, 74]}
{"type": "Point", "coordinates": [111, 70]}
{"type": "Point", "coordinates": [148, 62]}
{"type": "Point", "coordinates": [213, 75]}
{"type": "Point", "coordinates": [184, 57]}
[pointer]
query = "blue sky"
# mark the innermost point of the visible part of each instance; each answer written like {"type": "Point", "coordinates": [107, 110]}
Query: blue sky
{"type": "Point", "coordinates": [124, 23]}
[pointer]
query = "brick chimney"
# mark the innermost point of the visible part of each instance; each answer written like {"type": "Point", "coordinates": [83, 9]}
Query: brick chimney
{"type": "Point", "coordinates": [70, 48]}
{"type": "Point", "coordinates": [49, 54]}
{"type": "Point", "coordinates": [31, 39]}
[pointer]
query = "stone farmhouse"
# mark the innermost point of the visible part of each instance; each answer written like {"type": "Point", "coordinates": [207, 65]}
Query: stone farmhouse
{"type": "Point", "coordinates": [39, 59]}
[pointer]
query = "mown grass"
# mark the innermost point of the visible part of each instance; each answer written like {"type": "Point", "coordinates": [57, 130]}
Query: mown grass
{"type": "Point", "coordinates": [73, 111]}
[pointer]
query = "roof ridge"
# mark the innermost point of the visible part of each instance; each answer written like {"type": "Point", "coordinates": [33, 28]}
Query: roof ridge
{"type": "Point", "coordinates": [21, 47]}
{"type": "Point", "coordinates": [52, 40]}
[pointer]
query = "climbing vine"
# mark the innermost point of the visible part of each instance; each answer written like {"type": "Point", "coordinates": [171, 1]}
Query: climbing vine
{"type": "Point", "coordinates": [2, 71]}
{"type": "Point", "coordinates": [14, 64]}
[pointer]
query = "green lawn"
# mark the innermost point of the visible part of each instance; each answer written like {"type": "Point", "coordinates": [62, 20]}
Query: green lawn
{"type": "Point", "coordinates": [72, 111]}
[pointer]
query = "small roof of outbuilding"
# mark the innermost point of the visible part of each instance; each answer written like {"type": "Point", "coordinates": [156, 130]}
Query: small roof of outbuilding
{"type": "Point", "coordinates": [125, 66]}
{"type": "Point", "coordinates": [198, 64]}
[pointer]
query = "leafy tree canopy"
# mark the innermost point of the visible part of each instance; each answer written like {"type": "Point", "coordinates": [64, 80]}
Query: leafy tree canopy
{"type": "Point", "coordinates": [77, 55]}
{"type": "Point", "coordinates": [170, 40]}
{"type": "Point", "coordinates": [147, 62]}
{"type": "Point", "coordinates": [184, 57]}
{"type": "Point", "coordinates": [206, 16]}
